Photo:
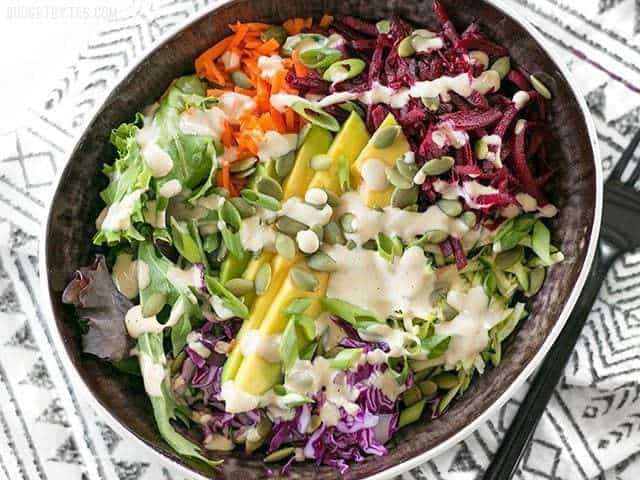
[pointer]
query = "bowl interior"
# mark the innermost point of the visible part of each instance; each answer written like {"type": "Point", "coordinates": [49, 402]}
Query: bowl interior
{"type": "Point", "coordinates": [76, 205]}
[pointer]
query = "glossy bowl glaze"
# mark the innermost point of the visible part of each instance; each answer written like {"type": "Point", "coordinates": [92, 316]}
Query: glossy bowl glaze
{"type": "Point", "coordinates": [577, 191]}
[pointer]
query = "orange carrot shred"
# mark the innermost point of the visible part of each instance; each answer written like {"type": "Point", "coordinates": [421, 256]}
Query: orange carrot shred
{"type": "Point", "coordinates": [278, 120]}
{"type": "Point", "coordinates": [269, 46]}
{"type": "Point", "coordinates": [227, 135]}
{"type": "Point", "coordinates": [290, 119]}
{"type": "Point", "coordinates": [278, 82]}
{"type": "Point", "coordinates": [299, 67]}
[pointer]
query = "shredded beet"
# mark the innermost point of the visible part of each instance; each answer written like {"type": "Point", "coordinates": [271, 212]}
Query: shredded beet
{"type": "Point", "coordinates": [521, 167]}
{"type": "Point", "coordinates": [458, 252]}
{"type": "Point", "coordinates": [472, 120]}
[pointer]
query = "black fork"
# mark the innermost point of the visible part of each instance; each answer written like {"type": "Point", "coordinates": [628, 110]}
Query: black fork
{"type": "Point", "coordinates": [620, 234]}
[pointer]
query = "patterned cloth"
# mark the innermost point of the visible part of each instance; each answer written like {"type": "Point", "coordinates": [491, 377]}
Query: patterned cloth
{"type": "Point", "coordinates": [591, 428]}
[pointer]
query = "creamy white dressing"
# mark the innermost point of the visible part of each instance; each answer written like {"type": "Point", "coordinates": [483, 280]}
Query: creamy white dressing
{"type": "Point", "coordinates": [255, 235]}
{"type": "Point", "coordinates": [195, 121]}
{"type": "Point", "coordinates": [254, 342]}
{"type": "Point", "coordinates": [269, 66]}
{"type": "Point", "coordinates": [158, 161]}
{"type": "Point", "coordinates": [316, 197]}
{"type": "Point", "coordinates": [274, 145]}
{"type": "Point", "coordinates": [308, 242]}
{"type": "Point", "coordinates": [462, 84]}
{"type": "Point", "coordinates": [494, 142]}
{"type": "Point", "coordinates": [520, 99]}
{"type": "Point", "coordinates": [374, 176]}
{"type": "Point", "coordinates": [125, 275]}
{"type": "Point", "coordinates": [469, 191]}
{"type": "Point", "coordinates": [235, 105]}
{"type": "Point", "coordinates": [445, 135]}
{"type": "Point", "coordinates": [153, 375]}
{"type": "Point", "coordinates": [191, 277]}
{"type": "Point", "coordinates": [469, 330]}
{"type": "Point", "coordinates": [144, 276]}
{"type": "Point", "coordinates": [386, 382]}
{"type": "Point", "coordinates": [170, 188]}
{"type": "Point", "coordinates": [396, 221]}
{"type": "Point", "coordinates": [424, 44]}
{"type": "Point", "coordinates": [305, 213]}
{"type": "Point", "coordinates": [329, 333]}
{"type": "Point", "coordinates": [220, 308]}
{"type": "Point", "coordinates": [118, 215]}
{"type": "Point", "coordinates": [530, 204]}
{"type": "Point", "coordinates": [398, 340]}
{"type": "Point", "coordinates": [366, 279]}
{"type": "Point", "coordinates": [138, 325]}
{"type": "Point", "coordinates": [195, 344]}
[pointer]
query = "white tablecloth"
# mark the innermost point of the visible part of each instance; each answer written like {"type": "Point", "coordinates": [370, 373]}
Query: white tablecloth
{"type": "Point", "coordinates": [591, 428]}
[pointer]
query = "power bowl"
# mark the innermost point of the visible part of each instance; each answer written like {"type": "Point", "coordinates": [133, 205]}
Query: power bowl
{"type": "Point", "coordinates": [577, 191]}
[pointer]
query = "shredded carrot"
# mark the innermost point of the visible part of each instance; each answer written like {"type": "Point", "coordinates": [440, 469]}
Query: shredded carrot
{"type": "Point", "coordinates": [212, 53]}
{"type": "Point", "coordinates": [293, 26]}
{"type": "Point", "coordinates": [308, 22]}
{"type": "Point", "coordinates": [278, 82]}
{"type": "Point", "coordinates": [269, 46]}
{"type": "Point", "coordinates": [227, 135]}
{"type": "Point", "coordinates": [262, 95]}
{"type": "Point", "coordinates": [300, 69]}
{"type": "Point", "coordinates": [251, 26]}
{"type": "Point", "coordinates": [290, 119]}
{"type": "Point", "coordinates": [325, 21]}
{"type": "Point", "coordinates": [223, 177]}
{"type": "Point", "coordinates": [278, 120]}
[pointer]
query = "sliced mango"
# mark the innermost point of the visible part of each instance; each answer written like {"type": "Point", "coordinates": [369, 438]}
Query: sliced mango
{"type": "Point", "coordinates": [317, 142]}
{"type": "Point", "coordinates": [274, 324]}
{"type": "Point", "coordinates": [351, 139]}
{"type": "Point", "coordinates": [389, 155]}
{"type": "Point", "coordinates": [280, 269]}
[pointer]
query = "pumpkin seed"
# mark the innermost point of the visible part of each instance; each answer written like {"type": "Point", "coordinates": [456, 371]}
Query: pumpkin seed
{"type": "Point", "coordinates": [240, 79]}
{"type": "Point", "coordinates": [411, 396]}
{"type": "Point", "coordinates": [480, 57]}
{"type": "Point", "coordinates": [350, 106]}
{"type": "Point", "coordinates": [279, 455]}
{"type": "Point", "coordinates": [404, 197]}
{"type": "Point", "coordinates": [276, 32]}
{"type": "Point", "coordinates": [269, 186]}
{"type": "Point", "coordinates": [332, 199]}
{"type": "Point", "coordinates": [407, 170]}
{"type": "Point", "coordinates": [322, 262]}
{"type": "Point", "coordinates": [285, 246]}
{"type": "Point", "coordinates": [383, 26]}
{"type": "Point", "coordinates": [446, 380]}
{"type": "Point", "coordinates": [481, 149]}
{"type": "Point", "coordinates": [386, 136]}
{"type": "Point", "coordinates": [284, 164]}
{"type": "Point", "coordinates": [509, 258]}
{"type": "Point", "coordinates": [262, 430]}
{"type": "Point", "coordinates": [428, 388]}
{"type": "Point", "coordinates": [432, 103]}
{"type": "Point", "coordinates": [438, 166]}
{"type": "Point", "coordinates": [411, 414]}
{"type": "Point", "coordinates": [246, 173]}
{"type": "Point", "coordinates": [540, 87]}
{"type": "Point", "coordinates": [536, 279]}
{"type": "Point", "coordinates": [397, 179]}
{"type": "Point", "coordinates": [333, 234]}
{"type": "Point", "coordinates": [319, 231]}
{"type": "Point", "coordinates": [242, 165]}
{"type": "Point", "coordinates": [451, 208]}
{"type": "Point", "coordinates": [239, 286]}
{"type": "Point", "coordinates": [263, 278]}
{"type": "Point", "coordinates": [289, 226]}
{"type": "Point", "coordinates": [405, 47]}
{"type": "Point", "coordinates": [303, 278]}
{"type": "Point", "coordinates": [320, 162]}
{"type": "Point", "coordinates": [245, 209]}
{"type": "Point", "coordinates": [469, 219]}
{"type": "Point", "coordinates": [314, 423]}
{"type": "Point", "coordinates": [349, 222]}
{"type": "Point", "coordinates": [502, 66]}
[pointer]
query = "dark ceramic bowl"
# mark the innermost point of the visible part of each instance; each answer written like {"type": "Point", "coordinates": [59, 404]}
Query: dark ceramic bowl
{"type": "Point", "coordinates": [70, 226]}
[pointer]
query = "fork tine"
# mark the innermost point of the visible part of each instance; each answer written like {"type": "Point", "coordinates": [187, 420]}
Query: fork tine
{"type": "Point", "coordinates": [626, 157]}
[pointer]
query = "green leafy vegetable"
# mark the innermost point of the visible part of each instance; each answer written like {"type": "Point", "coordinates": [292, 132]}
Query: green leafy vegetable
{"type": "Point", "coordinates": [348, 312]}
{"type": "Point", "coordinates": [230, 301]}
{"type": "Point", "coordinates": [345, 359]}
{"type": "Point", "coordinates": [435, 345]}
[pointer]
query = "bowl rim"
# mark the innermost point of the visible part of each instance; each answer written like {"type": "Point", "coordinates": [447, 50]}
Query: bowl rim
{"type": "Point", "coordinates": [80, 386]}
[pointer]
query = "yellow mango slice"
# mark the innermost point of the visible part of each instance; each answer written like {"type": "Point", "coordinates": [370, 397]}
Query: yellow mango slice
{"type": "Point", "coordinates": [389, 155]}
{"type": "Point", "coordinates": [351, 139]}
{"type": "Point", "coordinates": [317, 142]}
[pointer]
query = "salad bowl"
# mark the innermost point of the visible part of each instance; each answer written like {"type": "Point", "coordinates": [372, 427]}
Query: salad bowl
{"type": "Point", "coordinates": [576, 190]}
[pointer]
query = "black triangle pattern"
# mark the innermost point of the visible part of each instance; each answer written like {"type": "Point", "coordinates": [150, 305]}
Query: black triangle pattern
{"type": "Point", "coordinates": [109, 436]}
{"type": "Point", "coordinates": [22, 338]}
{"type": "Point", "coordinates": [54, 414]}
{"type": "Point", "coordinates": [605, 5]}
{"type": "Point", "coordinates": [130, 470]}
{"type": "Point", "coordinates": [464, 460]}
{"type": "Point", "coordinates": [68, 453]}
{"type": "Point", "coordinates": [38, 376]}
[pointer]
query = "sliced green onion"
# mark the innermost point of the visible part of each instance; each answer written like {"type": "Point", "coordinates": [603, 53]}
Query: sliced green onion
{"type": "Point", "coordinates": [383, 26]}
{"type": "Point", "coordinates": [344, 70]}
{"type": "Point", "coordinates": [276, 32]}
{"type": "Point", "coordinates": [316, 115]}
{"type": "Point", "coordinates": [345, 359]}
{"type": "Point", "coordinates": [321, 57]}
{"type": "Point", "coordinates": [232, 242]}
{"type": "Point", "coordinates": [411, 396]}
{"type": "Point", "coordinates": [289, 345]}
{"type": "Point", "coordinates": [229, 299]}
{"type": "Point", "coordinates": [240, 79]}
{"type": "Point", "coordinates": [306, 324]}
{"type": "Point", "coordinates": [347, 311]}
